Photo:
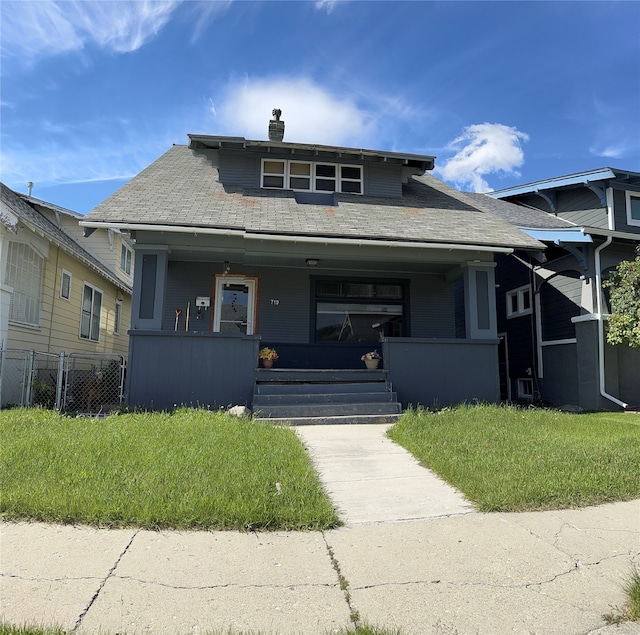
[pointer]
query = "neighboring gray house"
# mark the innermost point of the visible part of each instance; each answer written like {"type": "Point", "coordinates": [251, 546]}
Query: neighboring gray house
{"type": "Point", "coordinates": [324, 253]}
{"type": "Point", "coordinates": [552, 311]}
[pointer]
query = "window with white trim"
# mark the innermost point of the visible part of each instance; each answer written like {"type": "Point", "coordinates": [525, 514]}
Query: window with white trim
{"type": "Point", "coordinates": [519, 301]}
{"type": "Point", "coordinates": [24, 274]}
{"type": "Point", "coordinates": [91, 313]}
{"type": "Point", "coordinates": [525, 388]}
{"type": "Point", "coordinates": [65, 285]}
{"type": "Point", "coordinates": [633, 208]}
{"type": "Point", "coordinates": [125, 259]}
{"type": "Point", "coordinates": [304, 176]}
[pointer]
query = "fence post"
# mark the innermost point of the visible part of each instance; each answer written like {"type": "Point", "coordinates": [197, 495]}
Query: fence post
{"type": "Point", "coordinates": [59, 381]}
{"type": "Point", "coordinates": [2, 361]}
{"type": "Point", "coordinates": [29, 378]}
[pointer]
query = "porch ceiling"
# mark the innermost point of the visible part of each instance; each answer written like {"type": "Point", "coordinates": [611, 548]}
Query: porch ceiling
{"type": "Point", "coordinates": [331, 257]}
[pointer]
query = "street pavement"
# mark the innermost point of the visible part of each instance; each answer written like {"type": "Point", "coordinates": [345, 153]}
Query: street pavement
{"type": "Point", "coordinates": [412, 554]}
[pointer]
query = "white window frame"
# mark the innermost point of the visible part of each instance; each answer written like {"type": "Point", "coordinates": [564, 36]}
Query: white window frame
{"type": "Point", "coordinates": [21, 275]}
{"type": "Point", "coordinates": [91, 336]}
{"type": "Point", "coordinates": [65, 274]}
{"type": "Point", "coordinates": [525, 388]}
{"type": "Point", "coordinates": [126, 255]}
{"type": "Point", "coordinates": [251, 284]}
{"type": "Point", "coordinates": [519, 294]}
{"type": "Point", "coordinates": [630, 220]}
{"type": "Point", "coordinates": [313, 176]}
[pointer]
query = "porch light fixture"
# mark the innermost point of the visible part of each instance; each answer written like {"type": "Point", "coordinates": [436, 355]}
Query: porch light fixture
{"type": "Point", "coordinates": [226, 267]}
{"type": "Point", "coordinates": [312, 262]}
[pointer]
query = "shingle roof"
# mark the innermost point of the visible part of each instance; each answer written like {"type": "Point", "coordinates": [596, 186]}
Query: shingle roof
{"type": "Point", "coordinates": [36, 221]}
{"type": "Point", "coordinates": [520, 215]}
{"type": "Point", "coordinates": [181, 188]}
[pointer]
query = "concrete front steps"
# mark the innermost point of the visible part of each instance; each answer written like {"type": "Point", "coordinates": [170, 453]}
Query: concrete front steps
{"type": "Point", "coordinates": [324, 396]}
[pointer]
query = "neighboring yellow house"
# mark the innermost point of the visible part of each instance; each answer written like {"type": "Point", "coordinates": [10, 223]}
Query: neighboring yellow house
{"type": "Point", "coordinates": [60, 292]}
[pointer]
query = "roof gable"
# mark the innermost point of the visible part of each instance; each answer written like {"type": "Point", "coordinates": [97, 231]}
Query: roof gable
{"type": "Point", "coordinates": [22, 210]}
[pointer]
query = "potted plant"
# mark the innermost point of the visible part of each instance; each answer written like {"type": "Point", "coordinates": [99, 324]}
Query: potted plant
{"type": "Point", "coordinates": [267, 356]}
{"type": "Point", "coordinates": [371, 359]}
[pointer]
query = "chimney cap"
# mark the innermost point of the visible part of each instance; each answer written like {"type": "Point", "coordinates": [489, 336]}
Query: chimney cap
{"type": "Point", "coordinates": [277, 113]}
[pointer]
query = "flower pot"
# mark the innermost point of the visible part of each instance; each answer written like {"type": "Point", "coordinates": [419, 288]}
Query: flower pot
{"type": "Point", "coordinates": [371, 364]}
{"type": "Point", "coordinates": [267, 363]}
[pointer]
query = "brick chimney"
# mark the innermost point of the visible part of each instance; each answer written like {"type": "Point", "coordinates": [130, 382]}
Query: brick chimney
{"type": "Point", "coordinates": [276, 127]}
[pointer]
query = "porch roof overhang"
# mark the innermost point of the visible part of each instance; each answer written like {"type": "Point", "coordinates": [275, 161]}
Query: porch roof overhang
{"type": "Point", "coordinates": [296, 238]}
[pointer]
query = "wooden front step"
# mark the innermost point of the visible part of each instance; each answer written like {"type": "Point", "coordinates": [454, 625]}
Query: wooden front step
{"type": "Point", "coordinates": [324, 396]}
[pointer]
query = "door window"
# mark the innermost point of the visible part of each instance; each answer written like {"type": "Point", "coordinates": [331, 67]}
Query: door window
{"type": "Point", "coordinates": [234, 305]}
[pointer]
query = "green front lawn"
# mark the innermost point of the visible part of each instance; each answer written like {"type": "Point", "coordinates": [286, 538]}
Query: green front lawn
{"type": "Point", "coordinates": [511, 459]}
{"type": "Point", "coordinates": [192, 469]}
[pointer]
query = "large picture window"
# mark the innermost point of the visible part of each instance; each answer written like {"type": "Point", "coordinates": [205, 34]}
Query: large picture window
{"type": "Point", "coordinates": [357, 311]}
{"type": "Point", "coordinates": [24, 274]}
{"type": "Point", "coordinates": [91, 310]}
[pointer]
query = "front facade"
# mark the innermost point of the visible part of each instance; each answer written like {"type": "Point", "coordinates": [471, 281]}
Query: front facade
{"type": "Point", "coordinates": [552, 311]}
{"type": "Point", "coordinates": [323, 253]}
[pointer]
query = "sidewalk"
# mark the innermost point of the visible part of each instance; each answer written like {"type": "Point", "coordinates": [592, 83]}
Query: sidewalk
{"type": "Point", "coordinates": [413, 555]}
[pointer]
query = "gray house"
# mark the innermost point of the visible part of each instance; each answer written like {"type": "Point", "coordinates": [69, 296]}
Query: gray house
{"type": "Point", "coordinates": [552, 309]}
{"type": "Point", "coordinates": [323, 253]}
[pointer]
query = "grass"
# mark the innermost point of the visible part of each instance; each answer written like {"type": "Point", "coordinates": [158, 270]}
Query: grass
{"type": "Point", "coordinates": [510, 459]}
{"type": "Point", "coordinates": [192, 469]}
{"type": "Point", "coordinates": [631, 611]}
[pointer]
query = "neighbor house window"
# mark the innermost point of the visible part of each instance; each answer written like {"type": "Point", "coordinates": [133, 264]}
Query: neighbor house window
{"type": "Point", "coordinates": [633, 208]}
{"type": "Point", "coordinates": [125, 259]}
{"type": "Point", "coordinates": [519, 302]}
{"type": "Point", "coordinates": [311, 177]}
{"type": "Point", "coordinates": [91, 310]}
{"type": "Point", "coordinates": [525, 389]}
{"type": "Point", "coordinates": [24, 274]}
{"type": "Point", "coordinates": [65, 285]}
{"type": "Point", "coordinates": [355, 311]}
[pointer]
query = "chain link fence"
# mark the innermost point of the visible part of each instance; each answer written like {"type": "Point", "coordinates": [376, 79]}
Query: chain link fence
{"type": "Point", "coordinates": [87, 383]}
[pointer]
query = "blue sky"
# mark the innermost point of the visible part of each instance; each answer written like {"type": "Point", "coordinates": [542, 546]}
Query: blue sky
{"type": "Point", "coordinates": [501, 93]}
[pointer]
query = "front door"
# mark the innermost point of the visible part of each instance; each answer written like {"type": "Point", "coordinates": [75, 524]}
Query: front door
{"type": "Point", "coordinates": [234, 308]}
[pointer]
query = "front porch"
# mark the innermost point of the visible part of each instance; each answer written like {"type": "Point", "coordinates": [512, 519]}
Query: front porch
{"type": "Point", "coordinates": [168, 369]}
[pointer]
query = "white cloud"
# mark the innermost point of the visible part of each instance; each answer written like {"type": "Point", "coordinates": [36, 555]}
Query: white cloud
{"type": "Point", "coordinates": [482, 149]}
{"type": "Point", "coordinates": [311, 113]}
{"type": "Point", "coordinates": [31, 30]}
{"type": "Point", "coordinates": [120, 149]}
{"type": "Point", "coordinates": [326, 5]}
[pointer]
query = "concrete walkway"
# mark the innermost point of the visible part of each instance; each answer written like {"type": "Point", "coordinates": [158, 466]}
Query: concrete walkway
{"type": "Point", "coordinates": [372, 479]}
{"type": "Point", "coordinates": [412, 555]}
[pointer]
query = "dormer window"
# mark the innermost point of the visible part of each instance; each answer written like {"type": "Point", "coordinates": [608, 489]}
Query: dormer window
{"type": "Point", "coordinates": [303, 176]}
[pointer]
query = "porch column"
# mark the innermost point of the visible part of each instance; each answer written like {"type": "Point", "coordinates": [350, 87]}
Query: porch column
{"type": "Point", "coordinates": [480, 301]}
{"type": "Point", "coordinates": [149, 284]}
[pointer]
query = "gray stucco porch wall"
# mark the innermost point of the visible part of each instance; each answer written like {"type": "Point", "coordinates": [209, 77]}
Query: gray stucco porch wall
{"type": "Point", "coordinates": [442, 372]}
{"type": "Point", "coordinates": [207, 370]}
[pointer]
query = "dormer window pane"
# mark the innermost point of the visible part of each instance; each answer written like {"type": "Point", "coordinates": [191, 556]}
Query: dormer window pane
{"type": "Point", "coordinates": [299, 169]}
{"type": "Point", "coordinates": [351, 179]}
{"type": "Point", "coordinates": [273, 181]}
{"type": "Point", "coordinates": [274, 167]}
{"type": "Point", "coordinates": [326, 170]}
{"type": "Point", "coordinates": [273, 174]}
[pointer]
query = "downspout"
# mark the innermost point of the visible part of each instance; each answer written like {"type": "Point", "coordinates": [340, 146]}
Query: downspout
{"type": "Point", "coordinates": [599, 316]}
